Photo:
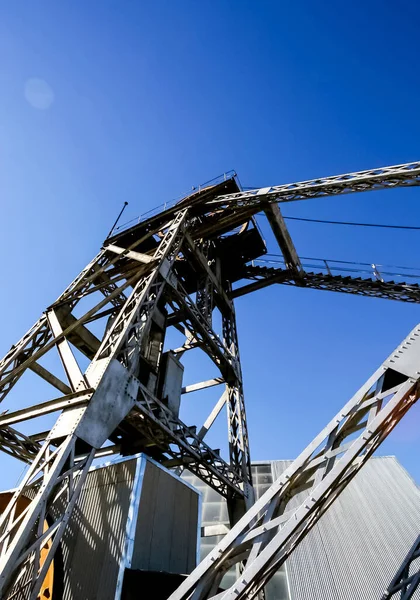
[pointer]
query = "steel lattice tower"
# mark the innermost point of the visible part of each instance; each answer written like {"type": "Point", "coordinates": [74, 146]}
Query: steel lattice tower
{"type": "Point", "coordinates": [176, 269]}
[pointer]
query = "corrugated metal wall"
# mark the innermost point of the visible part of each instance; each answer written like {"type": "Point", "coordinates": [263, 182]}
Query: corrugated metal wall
{"type": "Point", "coordinates": [167, 526]}
{"type": "Point", "coordinates": [157, 511]}
{"type": "Point", "coordinates": [357, 546]}
{"type": "Point", "coordinates": [94, 540]}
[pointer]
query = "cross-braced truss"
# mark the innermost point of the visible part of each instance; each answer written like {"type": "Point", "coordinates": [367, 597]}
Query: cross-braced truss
{"type": "Point", "coordinates": [407, 578]}
{"type": "Point", "coordinates": [281, 518]}
{"type": "Point", "coordinates": [173, 273]}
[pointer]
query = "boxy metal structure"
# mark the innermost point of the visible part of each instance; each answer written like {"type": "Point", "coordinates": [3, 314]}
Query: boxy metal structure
{"type": "Point", "coordinates": [176, 270]}
{"type": "Point", "coordinates": [131, 514]}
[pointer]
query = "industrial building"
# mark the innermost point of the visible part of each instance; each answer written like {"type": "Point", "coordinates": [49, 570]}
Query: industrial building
{"type": "Point", "coordinates": [356, 547]}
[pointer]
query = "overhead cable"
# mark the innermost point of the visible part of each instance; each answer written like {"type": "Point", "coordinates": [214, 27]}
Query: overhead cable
{"type": "Point", "coordinates": [352, 223]}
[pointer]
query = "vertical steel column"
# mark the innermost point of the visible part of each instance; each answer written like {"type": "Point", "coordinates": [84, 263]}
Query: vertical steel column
{"type": "Point", "coordinates": [237, 424]}
{"type": "Point", "coordinates": [205, 287]}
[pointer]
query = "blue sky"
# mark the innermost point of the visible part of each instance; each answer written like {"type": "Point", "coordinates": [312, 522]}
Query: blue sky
{"type": "Point", "coordinates": [142, 100]}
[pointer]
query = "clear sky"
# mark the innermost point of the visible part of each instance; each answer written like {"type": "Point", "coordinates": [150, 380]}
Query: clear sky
{"type": "Point", "coordinates": [103, 102]}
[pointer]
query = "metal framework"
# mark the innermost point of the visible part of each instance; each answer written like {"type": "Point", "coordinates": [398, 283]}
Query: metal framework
{"type": "Point", "coordinates": [281, 518]}
{"type": "Point", "coordinates": [407, 578]}
{"type": "Point", "coordinates": [163, 277]}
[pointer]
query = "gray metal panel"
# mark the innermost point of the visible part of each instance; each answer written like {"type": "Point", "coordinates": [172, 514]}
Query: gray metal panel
{"type": "Point", "coordinates": [172, 383]}
{"type": "Point", "coordinates": [131, 513]}
{"type": "Point", "coordinates": [357, 546]}
{"type": "Point", "coordinates": [166, 531]}
{"type": "Point", "coordinates": [94, 540]}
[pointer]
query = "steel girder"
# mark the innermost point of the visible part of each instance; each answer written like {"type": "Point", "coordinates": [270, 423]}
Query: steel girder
{"type": "Point", "coordinates": [371, 288]}
{"type": "Point", "coordinates": [238, 428]}
{"type": "Point", "coordinates": [281, 518]}
{"type": "Point", "coordinates": [407, 578]}
{"type": "Point", "coordinates": [407, 174]}
{"type": "Point", "coordinates": [229, 210]}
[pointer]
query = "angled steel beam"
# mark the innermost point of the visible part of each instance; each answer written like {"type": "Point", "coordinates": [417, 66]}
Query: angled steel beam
{"type": "Point", "coordinates": [139, 256]}
{"type": "Point", "coordinates": [264, 537]}
{"type": "Point", "coordinates": [194, 387]}
{"type": "Point", "coordinates": [213, 415]}
{"type": "Point", "coordinates": [71, 367]}
{"type": "Point", "coordinates": [81, 337]}
{"type": "Point", "coordinates": [282, 235]}
{"type": "Point", "coordinates": [50, 378]}
{"type": "Point", "coordinates": [407, 578]}
{"type": "Point", "coordinates": [44, 408]}
{"type": "Point", "coordinates": [405, 175]}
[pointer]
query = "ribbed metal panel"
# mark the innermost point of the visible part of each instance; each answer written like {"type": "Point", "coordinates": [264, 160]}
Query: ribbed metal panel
{"type": "Point", "coordinates": [354, 550]}
{"type": "Point", "coordinates": [94, 540]}
{"type": "Point", "coordinates": [131, 513]}
{"type": "Point", "coordinates": [166, 533]}
{"type": "Point", "coordinates": [357, 546]}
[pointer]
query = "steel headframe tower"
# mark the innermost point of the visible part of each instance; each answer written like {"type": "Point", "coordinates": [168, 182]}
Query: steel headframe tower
{"type": "Point", "coordinates": [178, 270]}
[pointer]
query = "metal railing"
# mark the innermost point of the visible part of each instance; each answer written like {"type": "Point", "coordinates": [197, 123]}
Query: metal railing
{"type": "Point", "coordinates": [171, 203]}
{"type": "Point", "coordinates": [380, 272]}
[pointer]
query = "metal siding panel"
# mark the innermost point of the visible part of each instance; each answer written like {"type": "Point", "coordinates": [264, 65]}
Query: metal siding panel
{"type": "Point", "coordinates": [181, 533]}
{"type": "Point", "coordinates": [192, 532]}
{"type": "Point", "coordinates": [163, 513]}
{"type": "Point", "coordinates": [143, 536]}
{"type": "Point", "coordinates": [166, 532]}
{"type": "Point", "coordinates": [356, 547]}
{"type": "Point", "coordinates": [94, 540]}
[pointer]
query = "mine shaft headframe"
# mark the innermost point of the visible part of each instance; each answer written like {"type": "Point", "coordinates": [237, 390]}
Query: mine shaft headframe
{"type": "Point", "coordinates": [270, 531]}
{"type": "Point", "coordinates": [142, 281]}
{"type": "Point", "coordinates": [126, 395]}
